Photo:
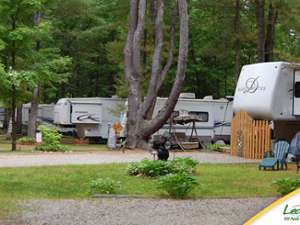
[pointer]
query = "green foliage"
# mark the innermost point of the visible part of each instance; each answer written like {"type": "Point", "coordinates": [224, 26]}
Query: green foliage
{"type": "Point", "coordinates": [51, 140]}
{"type": "Point", "coordinates": [81, 44]}
{"type": "Point", "coordinates": [150, 168]}
{"type": "Point", "coordinates": [154, 168]}
{"type": "Point", "coordinates": [215, 147]}
{"type": "Point", "coordinates": [178, 185]}
{"type": "Point", "coordinates": [187, 165]}
{"type": "Point", "coordinates": [286, 185]}
{"type": "Point", "coordinates": [26, 141]}
{"type": "Point", "coordinates": [104, 186]}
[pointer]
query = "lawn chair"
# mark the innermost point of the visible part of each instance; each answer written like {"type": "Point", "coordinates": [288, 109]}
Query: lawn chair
{"type": "Point", "coordinates": [280, 152]}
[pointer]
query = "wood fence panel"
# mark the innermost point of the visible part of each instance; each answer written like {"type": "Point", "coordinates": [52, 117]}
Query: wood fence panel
{"type": "Point", "coordinates": [249, 138]}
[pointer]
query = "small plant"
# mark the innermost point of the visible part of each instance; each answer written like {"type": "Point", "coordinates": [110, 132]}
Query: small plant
{"type": "Point", "coordinates": [104, 186]}
{"type": "Point", "coordinates": [150, 168]}
{"type": "Point", "coordinates": [178, 185]}
{"type": "Point", "coordinates": [215, 147]}
{"type": "Point", "coordinates": [154, 168]}
{"type": "Point", "coordinates": [26, 141]}
{"type": "Point", "coordinates": [51, 140]}
{"type": "Point", "coordinates": [187, 165]}
{"type": "Point", "coordinates": [286, 185]}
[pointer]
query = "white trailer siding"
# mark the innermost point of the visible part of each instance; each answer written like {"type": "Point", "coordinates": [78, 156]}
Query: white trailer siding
{"type": "Point", "coordinates": [90, 117]}
{"type": "Point", "coordinates": [265, 91]}
{"type": "Point", "coordinates": [219, 116]}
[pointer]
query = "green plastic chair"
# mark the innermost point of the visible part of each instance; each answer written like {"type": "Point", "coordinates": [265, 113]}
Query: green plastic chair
{"type": "Point", "coordinates": [280, 152]}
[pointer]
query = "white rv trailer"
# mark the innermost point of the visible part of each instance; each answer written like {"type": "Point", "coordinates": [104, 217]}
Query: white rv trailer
{"type": "Point", "coordinates": [89, 117]}
{"type": "Point", "coordinates": [271, 91]}
{"type": "Point", "coordinates": [216, 115]}
{"type": "Point", "coordinates": [45, 113]}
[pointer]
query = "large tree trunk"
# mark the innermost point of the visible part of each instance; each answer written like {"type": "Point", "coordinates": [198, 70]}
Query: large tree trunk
{"type": "Point", "coordinates": [14, 124]}
{"type": "Point", "coordinates": [237, 28]}
{"type": "Point", "coordinates": [139, 127]}
{"type": "Point", "coordinates": [270, 36]}
{"type": "Point", "coordinates": [260, 20]}
{"type": "Point", "coordinates": [13, 99]}
{"type": "Point", "coordinates": [33, 114]}
{"type": "Point", "coordinates": [19, 120]}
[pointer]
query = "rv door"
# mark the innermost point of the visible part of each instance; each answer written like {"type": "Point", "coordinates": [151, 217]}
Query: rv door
{"type": "Point", "coordinates": [296, 106]}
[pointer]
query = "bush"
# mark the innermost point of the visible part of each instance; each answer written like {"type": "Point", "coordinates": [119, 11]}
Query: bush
{"type": "Point", "coordinates": [149, 168]}
{"type": "Point", "coordinates": [154, 168]}
{"type": "Point", "coordinates": [51, 140]}
{"type": "Point", "coordinates": [26, 141]}
{"type": "Point", "coordinates": [177, 185]}
{"type": "Point", "coordinates": [286, 185]}
{"type": "Point", "coordinates": [187, 165]}
{"type": "Point", "coordinates": [104, 186]}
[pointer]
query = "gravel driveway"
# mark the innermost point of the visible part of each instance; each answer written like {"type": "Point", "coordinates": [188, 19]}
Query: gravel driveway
{"type": "Point", "coordinates": [141, 211]}
{"type": "Point", "coordinates": [48, 159]}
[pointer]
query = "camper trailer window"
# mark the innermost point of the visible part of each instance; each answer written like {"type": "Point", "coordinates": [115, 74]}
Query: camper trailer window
{"type": "Point", "coordinates": [202, 116]}
{"type": "Point", "coordinates": [297, 89]}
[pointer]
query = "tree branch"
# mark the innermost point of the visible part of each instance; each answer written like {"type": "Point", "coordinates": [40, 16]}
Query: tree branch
{"type": "Point", "coordinates": [156, 59]}
{"type": "Point", "coordinates": [169, 106]}
{"type": "Point", "coordinates": [171, 49]}
{"type": "Point", "coordinates": [137, 39]}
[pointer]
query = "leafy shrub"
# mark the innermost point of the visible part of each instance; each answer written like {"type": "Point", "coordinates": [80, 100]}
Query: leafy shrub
{"type": "Point", "coordinates": [51, 140]}
{"type": "Point", "coordinates": [215, 147]}
{"type": "Point", "coordinates": [187, 165]}
{"type": "Point", "coordinates": [26, 141]}
{"type": "Point", "coordinates": [154, 168]}
{"type": "Point", "coordinates": [286, 185]}
{"type": "Point", "coordinates": [177, 185]}
{"type": "Point", "coordinates": [104, 186]}
{"type": "Point", "coordinates": [150, 168]}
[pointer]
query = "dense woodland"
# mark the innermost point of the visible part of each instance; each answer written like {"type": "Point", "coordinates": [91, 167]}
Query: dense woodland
{"type": "Point", "coordinates": [84, 39]}
{"type": "Point", "coordinates": [51, 48]}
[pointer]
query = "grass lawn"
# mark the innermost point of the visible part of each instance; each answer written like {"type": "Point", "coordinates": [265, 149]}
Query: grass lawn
{"type": "Point", "coordinates": [66, 182]}
{"type": "Point", "coordinates": [5, 147]}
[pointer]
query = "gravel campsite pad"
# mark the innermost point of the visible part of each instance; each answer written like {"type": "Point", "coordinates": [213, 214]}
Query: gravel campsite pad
{"type": "Point", "coordinates": [113, 211]}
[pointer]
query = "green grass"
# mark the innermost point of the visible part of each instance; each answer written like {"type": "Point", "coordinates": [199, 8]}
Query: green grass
{"type": "Point", "coordinates": [6, 148]}
{"type": "Point", "coordinates": [72, 182]}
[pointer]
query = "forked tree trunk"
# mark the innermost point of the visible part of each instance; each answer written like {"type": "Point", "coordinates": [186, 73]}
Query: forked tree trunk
{"type": "Point", "coordinates": [33, 114]}
{"type": "Point", "coordinates": [139, 127]}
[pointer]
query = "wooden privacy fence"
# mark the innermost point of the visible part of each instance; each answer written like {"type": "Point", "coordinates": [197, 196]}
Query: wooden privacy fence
{"type": "Point", "coordinates": [249, 138]}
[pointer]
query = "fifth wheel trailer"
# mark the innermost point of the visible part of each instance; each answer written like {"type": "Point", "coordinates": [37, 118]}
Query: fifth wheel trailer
{"type": "Point", "coordinates": [215, 114]}
{"type": "Point", "coordinates": [271, 91]}
{"type": "Point", "coordinates": [88, 117]}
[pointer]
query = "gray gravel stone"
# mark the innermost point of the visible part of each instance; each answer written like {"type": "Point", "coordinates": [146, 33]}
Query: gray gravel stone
{"type": "Point", "coordinates": [51, 159]}
{"type": "Point", "coordinates": [142, 211]}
